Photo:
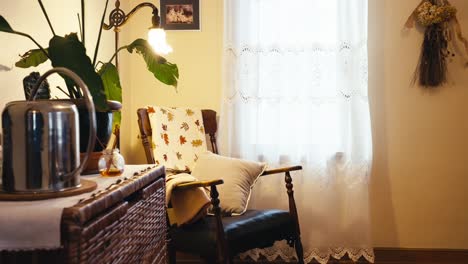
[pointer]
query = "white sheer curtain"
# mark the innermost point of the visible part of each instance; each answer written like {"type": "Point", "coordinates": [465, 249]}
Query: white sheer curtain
{"type": "Point", "coordinates": [295, 92]}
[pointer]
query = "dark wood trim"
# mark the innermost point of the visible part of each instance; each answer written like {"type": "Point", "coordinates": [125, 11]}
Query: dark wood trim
{"type": "Point", "coordinates": [419, 255]}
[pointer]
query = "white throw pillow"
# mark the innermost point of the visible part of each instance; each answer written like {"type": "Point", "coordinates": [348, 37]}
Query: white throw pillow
{"type": "Point", "coordinates": [178, 136]}
{"type": "Point", "coordinates": [239, 177]}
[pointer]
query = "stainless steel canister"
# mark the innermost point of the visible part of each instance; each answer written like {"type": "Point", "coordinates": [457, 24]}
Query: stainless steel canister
{"type": "Point", "coordinates": [41, 142]}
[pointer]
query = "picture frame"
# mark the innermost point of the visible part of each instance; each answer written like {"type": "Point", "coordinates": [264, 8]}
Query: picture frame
{"type": "Point", "coordinates": [180, 14]}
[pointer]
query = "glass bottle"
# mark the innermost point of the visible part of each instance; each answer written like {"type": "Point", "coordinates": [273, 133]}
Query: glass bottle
{"type": "Point", "coordinates": [111, 163]}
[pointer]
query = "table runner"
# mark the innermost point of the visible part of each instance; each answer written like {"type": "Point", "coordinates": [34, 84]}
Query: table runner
{"type": "Point", "coordinates": [35, 225]}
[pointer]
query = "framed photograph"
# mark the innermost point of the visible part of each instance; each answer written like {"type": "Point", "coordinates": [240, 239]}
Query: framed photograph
{"type": "Point", "coordinates": [180, 14]}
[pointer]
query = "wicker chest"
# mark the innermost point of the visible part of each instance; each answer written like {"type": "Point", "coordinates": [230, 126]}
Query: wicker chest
{"type": "Point", "coordinates": [126, 223]}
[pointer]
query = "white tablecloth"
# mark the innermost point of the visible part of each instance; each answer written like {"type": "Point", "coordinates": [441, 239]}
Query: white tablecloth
{"type": "Point", "coordinates": [36, 224]}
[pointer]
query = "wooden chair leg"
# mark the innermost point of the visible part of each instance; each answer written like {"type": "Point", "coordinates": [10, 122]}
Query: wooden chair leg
{"type": "Point", "coordinates": [172, 255]}
{"type": "Point", "coordinates": [223, 249]}
{"type": "Point", "coordinates": [299, 250]}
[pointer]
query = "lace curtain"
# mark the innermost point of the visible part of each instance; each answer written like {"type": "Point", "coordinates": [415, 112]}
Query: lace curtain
{"type": "Point", "coordinates": [295, 92]}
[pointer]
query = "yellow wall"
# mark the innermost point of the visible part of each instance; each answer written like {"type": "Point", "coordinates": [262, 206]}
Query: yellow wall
{"type": "Point", "coordinates": [198, 56]}
{"type": "Point", "coordinates": [420, 175]}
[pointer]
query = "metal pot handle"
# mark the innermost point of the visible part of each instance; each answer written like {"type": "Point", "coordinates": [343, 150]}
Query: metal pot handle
{"type": "Point", "coordinates": [89, 104]}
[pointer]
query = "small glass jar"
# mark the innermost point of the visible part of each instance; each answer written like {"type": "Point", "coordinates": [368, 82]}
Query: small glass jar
{"type": "Point", "coordinates": [111, 163]}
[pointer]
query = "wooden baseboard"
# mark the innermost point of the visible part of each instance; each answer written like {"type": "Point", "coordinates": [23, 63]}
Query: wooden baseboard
{"type": "Point", "coordinates": [382, 256]}
{"type": "Point", "coordinates": [418, 255]}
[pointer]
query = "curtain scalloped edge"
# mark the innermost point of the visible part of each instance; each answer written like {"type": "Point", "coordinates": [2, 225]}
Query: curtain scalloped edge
{"type": "Point", "coordinates": [313, 254]}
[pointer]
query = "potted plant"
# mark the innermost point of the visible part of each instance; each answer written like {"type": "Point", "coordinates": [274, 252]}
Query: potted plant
{"type": "Point", "coordinates": [102, 78]}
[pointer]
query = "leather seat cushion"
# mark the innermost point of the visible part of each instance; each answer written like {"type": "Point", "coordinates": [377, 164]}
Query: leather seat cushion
{"type": "Point", "coordinates": [253, 229]}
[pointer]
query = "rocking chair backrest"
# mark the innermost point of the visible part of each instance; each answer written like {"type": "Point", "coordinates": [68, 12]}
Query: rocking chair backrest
{"type": "Point", "coordinates": [146, 132]}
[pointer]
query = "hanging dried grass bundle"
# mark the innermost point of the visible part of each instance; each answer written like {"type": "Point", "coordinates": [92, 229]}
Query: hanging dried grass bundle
{"type": "Point", "coordinates": [432, 67]}
{"type": "Point", "coordinates": [435, 16]}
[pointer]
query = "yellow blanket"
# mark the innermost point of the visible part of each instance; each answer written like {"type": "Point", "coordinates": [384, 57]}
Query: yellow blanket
{"type": "Point", "coordinates": [187, 206]}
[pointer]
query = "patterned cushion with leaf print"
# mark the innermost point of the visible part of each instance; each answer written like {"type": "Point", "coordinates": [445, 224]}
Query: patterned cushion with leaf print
{"type": "Point", "coordinates": [178, 136]}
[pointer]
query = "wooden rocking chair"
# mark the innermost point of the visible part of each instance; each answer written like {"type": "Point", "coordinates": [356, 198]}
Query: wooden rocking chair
{"type": "Point", "coordinates": [220, 238]}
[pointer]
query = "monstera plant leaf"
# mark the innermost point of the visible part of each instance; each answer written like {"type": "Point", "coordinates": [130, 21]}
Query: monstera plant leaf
{"type": "Point", "coordinates": [163, 70]}
{"type": "Point", "coordinates": [70, 53]}
{"type": "Point", "coordinates": [112, 88]}
{"type": "Point", "coordinates": [32, 58]}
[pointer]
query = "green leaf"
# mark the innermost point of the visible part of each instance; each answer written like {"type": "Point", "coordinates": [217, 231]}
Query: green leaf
{"type": "Point", "coordinates": [116, 119]}
{"type": "Point", "coordinates": [110, 79]}
{"type": "Point", "coordinates": [112, 88]}
{"type": "Point", "coordinates": [4, 26]}
{"type": "Point", "coordinates": [31, 58]}
{"type": "Point", "coordinates": [70, 53]}
{"type": "Point", "coordinates": [163, 70]}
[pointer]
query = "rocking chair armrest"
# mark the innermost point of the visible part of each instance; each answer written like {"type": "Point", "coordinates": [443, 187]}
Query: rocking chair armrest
{"type": "Point", "coordinates": [196, 184]}
{"type": "Point", "coordinates": [176, 171]}
{"type": "Point", "coordinates": [281, 170]}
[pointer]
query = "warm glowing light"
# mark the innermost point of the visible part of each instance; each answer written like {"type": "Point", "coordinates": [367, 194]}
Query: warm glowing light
{"type": "Point", "coordinates": [157, 40]}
